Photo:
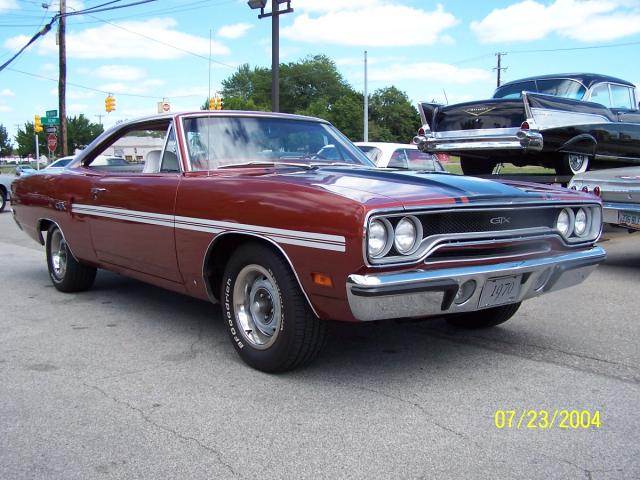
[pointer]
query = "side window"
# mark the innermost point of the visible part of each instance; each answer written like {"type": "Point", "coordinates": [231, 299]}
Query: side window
{"type": "Point", "coordinates": [600, 94]}
{"type": "Point", "coordinates": [170, 162]}
{"type": "Point", "coordinates": [137, 150]}
{"type": "Point", "coordinates": [398, 159]}
{"type": "Point", "coordinates": [621, 97]}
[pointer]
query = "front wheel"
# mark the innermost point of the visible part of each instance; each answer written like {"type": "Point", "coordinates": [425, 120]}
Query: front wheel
{"type": "Point", "coordinates": [489, 317]}
{"type": "Point", "coordinates": [67, 274]}
{"type": "Point", "coordinates": [572, 164]}
{"type": "Point", "coordinates": [477, 166]}
{"type": "Point", "coordinates": [3, 200]}
{"type": "Point", "coordinates": [268, 319]}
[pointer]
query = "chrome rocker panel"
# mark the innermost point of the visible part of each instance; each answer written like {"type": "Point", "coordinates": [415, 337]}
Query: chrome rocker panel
{"type": "Point", "coordinates": [423, 293]}
{"type": "Point", "coordinates": [488, 139]}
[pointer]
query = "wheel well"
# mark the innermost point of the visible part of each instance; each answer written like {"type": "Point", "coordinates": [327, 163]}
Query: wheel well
{"type": "Point", "coordinates": [221, 250]}
{"type": "Point", "coordinates": [43, 226]}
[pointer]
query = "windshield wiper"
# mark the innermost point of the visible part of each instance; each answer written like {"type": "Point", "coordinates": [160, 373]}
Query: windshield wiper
{"type": "Point", "coordinates": [306, 166]}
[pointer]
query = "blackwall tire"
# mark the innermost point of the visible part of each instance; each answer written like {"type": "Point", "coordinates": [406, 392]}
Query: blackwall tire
{"type": "Point", "coordinates": [266, 314]}
{"type": "Point", "coordinates": [66, 273]}
{"type": "Point", "coordinates": [487, 318]}
{"type": "Point", "coordinates": [3, 200]}
{"type": "Point", "coordinates": [477, 166]}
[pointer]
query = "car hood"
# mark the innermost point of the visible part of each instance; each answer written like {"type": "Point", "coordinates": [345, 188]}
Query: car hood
{"type": "Point", "coordinates": [409, 189]}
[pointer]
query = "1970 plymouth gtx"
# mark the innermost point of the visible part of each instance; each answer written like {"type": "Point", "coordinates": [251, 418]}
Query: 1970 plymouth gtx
{"type": "Point", "coordinates": [241, 208]}
{"type": "Point", "coordinates": [570, 122]}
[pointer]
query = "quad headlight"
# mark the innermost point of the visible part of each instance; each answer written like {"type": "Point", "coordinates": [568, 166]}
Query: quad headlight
{"type": "Point", "coordinates": [579, 223]}
{"type": "Point", "coordinates": [379, 240]}
{"type": "Point", "coordinates": [564, 222]}
{"type": "Point", "coordinates": [408, 234]}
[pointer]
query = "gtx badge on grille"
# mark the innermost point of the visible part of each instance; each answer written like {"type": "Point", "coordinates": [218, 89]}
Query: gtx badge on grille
{"type": "Point", "coordinates": [477, 111]}
{"type": "Point", "coordinates": [500, 220]}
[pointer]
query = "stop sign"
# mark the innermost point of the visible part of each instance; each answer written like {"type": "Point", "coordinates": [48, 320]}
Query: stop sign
{"type": "Point", "coordinates": [166, 106]}
{"type": "Point", "coordinates": [52, 142]}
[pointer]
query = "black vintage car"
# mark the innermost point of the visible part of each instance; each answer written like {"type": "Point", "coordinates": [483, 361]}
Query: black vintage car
{"type": "Point", "coordinates": [570, 122]}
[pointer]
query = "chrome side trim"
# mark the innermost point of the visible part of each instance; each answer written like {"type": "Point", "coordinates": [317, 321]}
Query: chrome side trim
{"type": "Point", "coordinates": [423, 293]}
{"type": "Point", "coordinates": [214, 298]}
{"type": "Point", "coordinates": [546, 118]}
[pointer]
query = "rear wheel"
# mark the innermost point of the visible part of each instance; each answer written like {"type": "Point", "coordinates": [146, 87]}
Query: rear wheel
{"type": "Point", "coordinates": [572, 164]}
{"type": "Point", "coordinates": [477, 166]}
{"type": "Point", "coordinates": [268, 319]}
{"type": "Point", "coordinates": [489, 317]}
{"type": "Point", "coordinates": [67, 274]}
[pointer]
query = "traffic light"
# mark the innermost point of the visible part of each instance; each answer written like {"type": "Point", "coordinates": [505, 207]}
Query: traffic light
{"type": "Point", "coordinates": [37, 124]}
{"type": "Point", "coordinates": [110, 103]}
{"type": "Point", "coordinates": [212, 103]}
{"type": "Point", "coordinates": [218, 103]}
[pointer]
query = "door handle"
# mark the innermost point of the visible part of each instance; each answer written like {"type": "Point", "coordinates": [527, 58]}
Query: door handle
{"type": "Point", "coordinates": [97, 191]}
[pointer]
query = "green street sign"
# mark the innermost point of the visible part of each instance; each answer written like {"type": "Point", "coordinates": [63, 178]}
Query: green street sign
{"type": "Point", "coordinates": [50, 121]}
{"type": "Point", "coordinates": [52, 113]}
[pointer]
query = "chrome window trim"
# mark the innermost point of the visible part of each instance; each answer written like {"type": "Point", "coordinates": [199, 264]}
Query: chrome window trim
{"type": "Point", "coordinates": [534, 233]}
{"type": "Point", "coordinates": [587, 97]}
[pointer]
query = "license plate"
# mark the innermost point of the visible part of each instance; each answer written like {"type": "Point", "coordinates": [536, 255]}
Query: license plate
{"type": "Point", "coordinates": [629, 219]}
{"type": "Point", "coordinates": [498, 291]}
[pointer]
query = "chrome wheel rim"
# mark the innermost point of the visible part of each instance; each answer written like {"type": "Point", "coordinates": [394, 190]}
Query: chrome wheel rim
{"type": "Point", "coordinates": [58, 255]}
{"type": "Point", "coordinates": [577, 163]}
{"type": "Point", "coordinates": [257, 306]}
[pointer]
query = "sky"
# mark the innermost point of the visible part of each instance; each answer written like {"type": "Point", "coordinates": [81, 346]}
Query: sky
{"type": "Point", "coordinates": [442, 51]}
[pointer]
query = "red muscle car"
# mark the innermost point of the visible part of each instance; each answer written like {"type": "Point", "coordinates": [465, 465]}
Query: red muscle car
{"type": "Point", "coordinates": [243, 209]}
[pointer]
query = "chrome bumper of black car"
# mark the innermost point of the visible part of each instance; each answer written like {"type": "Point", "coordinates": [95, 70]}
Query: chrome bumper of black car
{"type": "Point", "coordinates": [485, 139]}
{"type": "Point", "coordinates": [423, 293]}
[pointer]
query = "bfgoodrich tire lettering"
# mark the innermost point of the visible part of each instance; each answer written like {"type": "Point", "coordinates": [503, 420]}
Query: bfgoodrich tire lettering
{"type": "Point", "coordinates": [268, 319]}
{"type": "Point", "coordinates": [489, 317]}
{"type": "Point", "coordinates": [66, 273]}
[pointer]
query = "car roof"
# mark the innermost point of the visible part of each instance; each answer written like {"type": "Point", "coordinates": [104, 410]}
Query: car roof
{"type": "Point", "coordinates": [587, 79]}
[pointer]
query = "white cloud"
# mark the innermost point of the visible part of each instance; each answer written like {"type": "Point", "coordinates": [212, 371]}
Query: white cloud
{"type": "Point", "coordinates": [371, 60]}
{"type": "Point", "coordinates": [5, 108]}
{"type": "Point", "coordinates": [115, 72]}
{"type": "Point", "coordinates": [371, 23]}
{"type": "Point", "coordinates": [8, 5]}
{"type": "Point", "coordinates": [7, 92]}
{"type": "Point", "coordinates": [127, 40]}
{"type": "Point", "coordinates": [139, 88]}
{"type": "Point", "coordinates": [441, 72]}
{"type": "Point", "coordinates": [584, 20]}
{"type": "Point", "coordinates": [77, 108]}
{"type": "Point", "coordinates": [48, 68]}
{"type": "Point", "coordinates": [234, 31]}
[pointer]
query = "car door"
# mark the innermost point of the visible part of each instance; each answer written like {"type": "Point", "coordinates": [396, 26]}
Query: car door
{"type": "Point", "coordinates": [132, 201]}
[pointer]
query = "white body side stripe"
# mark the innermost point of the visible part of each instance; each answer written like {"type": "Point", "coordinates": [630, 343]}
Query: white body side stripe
{"type": "Point", "coordinates": [291, 237]}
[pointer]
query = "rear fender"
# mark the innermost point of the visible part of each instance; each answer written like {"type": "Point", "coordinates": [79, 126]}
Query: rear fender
{"type": "Point", "coordinates": [584, 143]}
{"type": "Point", "coordinates": [548, 111]}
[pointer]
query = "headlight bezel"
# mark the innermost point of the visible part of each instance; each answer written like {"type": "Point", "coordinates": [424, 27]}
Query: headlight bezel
{"type": "Point", "coordinates": [571, 219]}
{"type": "Point", "coordinates": [386, 224]}
{"type": "Point", "coordinates": [587, 223]}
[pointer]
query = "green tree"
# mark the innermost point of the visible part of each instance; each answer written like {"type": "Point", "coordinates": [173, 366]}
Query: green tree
{"type": "Point", "coordinates": [6, 147]}
{"type": "Point", "coordinates": [26, 142]}
{"type": "Point", "coordinates": [392, 117]}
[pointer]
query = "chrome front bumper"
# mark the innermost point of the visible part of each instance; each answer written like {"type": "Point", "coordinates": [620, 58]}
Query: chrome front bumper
{"type": "Point", "coordinates": [610, 211]}
{"type": "Point", "coordinates": [423, 293]}
{"type": "Point", "coordinates": [486, 139]}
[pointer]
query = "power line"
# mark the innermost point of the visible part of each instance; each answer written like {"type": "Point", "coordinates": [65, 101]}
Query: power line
{"type": "Point", "coordinates": [590, 47]}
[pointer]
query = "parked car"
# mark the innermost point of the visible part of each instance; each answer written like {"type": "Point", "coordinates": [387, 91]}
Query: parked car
{"type": "Point", "coordinates": [619, 189]}
{"type": "Point", "coordinates": [58, 165]}
{"type": "Point", "coordinates": [400, 155]}
{"type": "Point", "coordinates": [238, 208]}
{"type": "Point", "coordinates": [5, 189]}
{"type": "Point", "coordinates": [570, 122]}
{"type": "Point", "coordinates": [25, 170]}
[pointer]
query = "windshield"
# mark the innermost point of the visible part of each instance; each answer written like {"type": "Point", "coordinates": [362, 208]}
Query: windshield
{"type": "Point", "coordinates": [559, 87]}
{"type": "Point", "coordinates": [217, 141]}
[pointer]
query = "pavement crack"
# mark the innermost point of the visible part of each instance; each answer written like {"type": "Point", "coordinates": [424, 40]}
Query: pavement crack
{"type": "Point", "coordinates": [164, 428]}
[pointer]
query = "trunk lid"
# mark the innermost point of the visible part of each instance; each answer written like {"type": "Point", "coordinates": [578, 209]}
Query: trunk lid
{"type": "Point", "coordinates": [495, 113]}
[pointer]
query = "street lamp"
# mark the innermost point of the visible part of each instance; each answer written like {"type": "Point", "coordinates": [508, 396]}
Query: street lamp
{"type": "Point", "coordinates": [275, 43]}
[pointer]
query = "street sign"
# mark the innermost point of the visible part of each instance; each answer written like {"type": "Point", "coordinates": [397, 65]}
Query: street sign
{"type": "Point", "coordinates": [52, 113]}
{"type": "Point", "coordinates": [52, 142]}
{"type": "Point", "coordinates": [50, 121]}
{"type": "Point", "coordinates": [51, 130]}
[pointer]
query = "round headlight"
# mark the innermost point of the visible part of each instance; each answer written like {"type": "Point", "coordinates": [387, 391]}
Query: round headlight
{"type": "Point", "coordinates": [407, 235]}
{"type": "Point", "coordinates": [581, 222]}
{"type": "Point", "coordinates": [563, 222]}
{"type": "Point", "coordinates": [378, 238]}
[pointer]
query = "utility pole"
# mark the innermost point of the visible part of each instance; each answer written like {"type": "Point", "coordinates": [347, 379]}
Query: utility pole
{"type": "Point", "coordinates": [366, 101]}
{"type": "Point", "coordinates": [499, 67]}
{"type": "Point", "coordinates": [275, 43]}
{"type": "Point", "coordinates": [99, 118]}
{"type": "Point", "coordinates": [62, 78]}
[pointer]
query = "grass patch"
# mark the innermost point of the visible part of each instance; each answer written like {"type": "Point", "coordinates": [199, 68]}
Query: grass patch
{"type": "Point", "coordinates": [507, 168]}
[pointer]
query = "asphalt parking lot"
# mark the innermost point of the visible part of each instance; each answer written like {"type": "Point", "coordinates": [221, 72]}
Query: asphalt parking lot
{"type": "Point", "coordinates": [130, 381]}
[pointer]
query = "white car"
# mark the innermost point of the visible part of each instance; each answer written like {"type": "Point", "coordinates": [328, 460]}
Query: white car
{"type": "Point", "coordinates": [400, 155]}
{"type": "Point", "coordinates": [58, 165]}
